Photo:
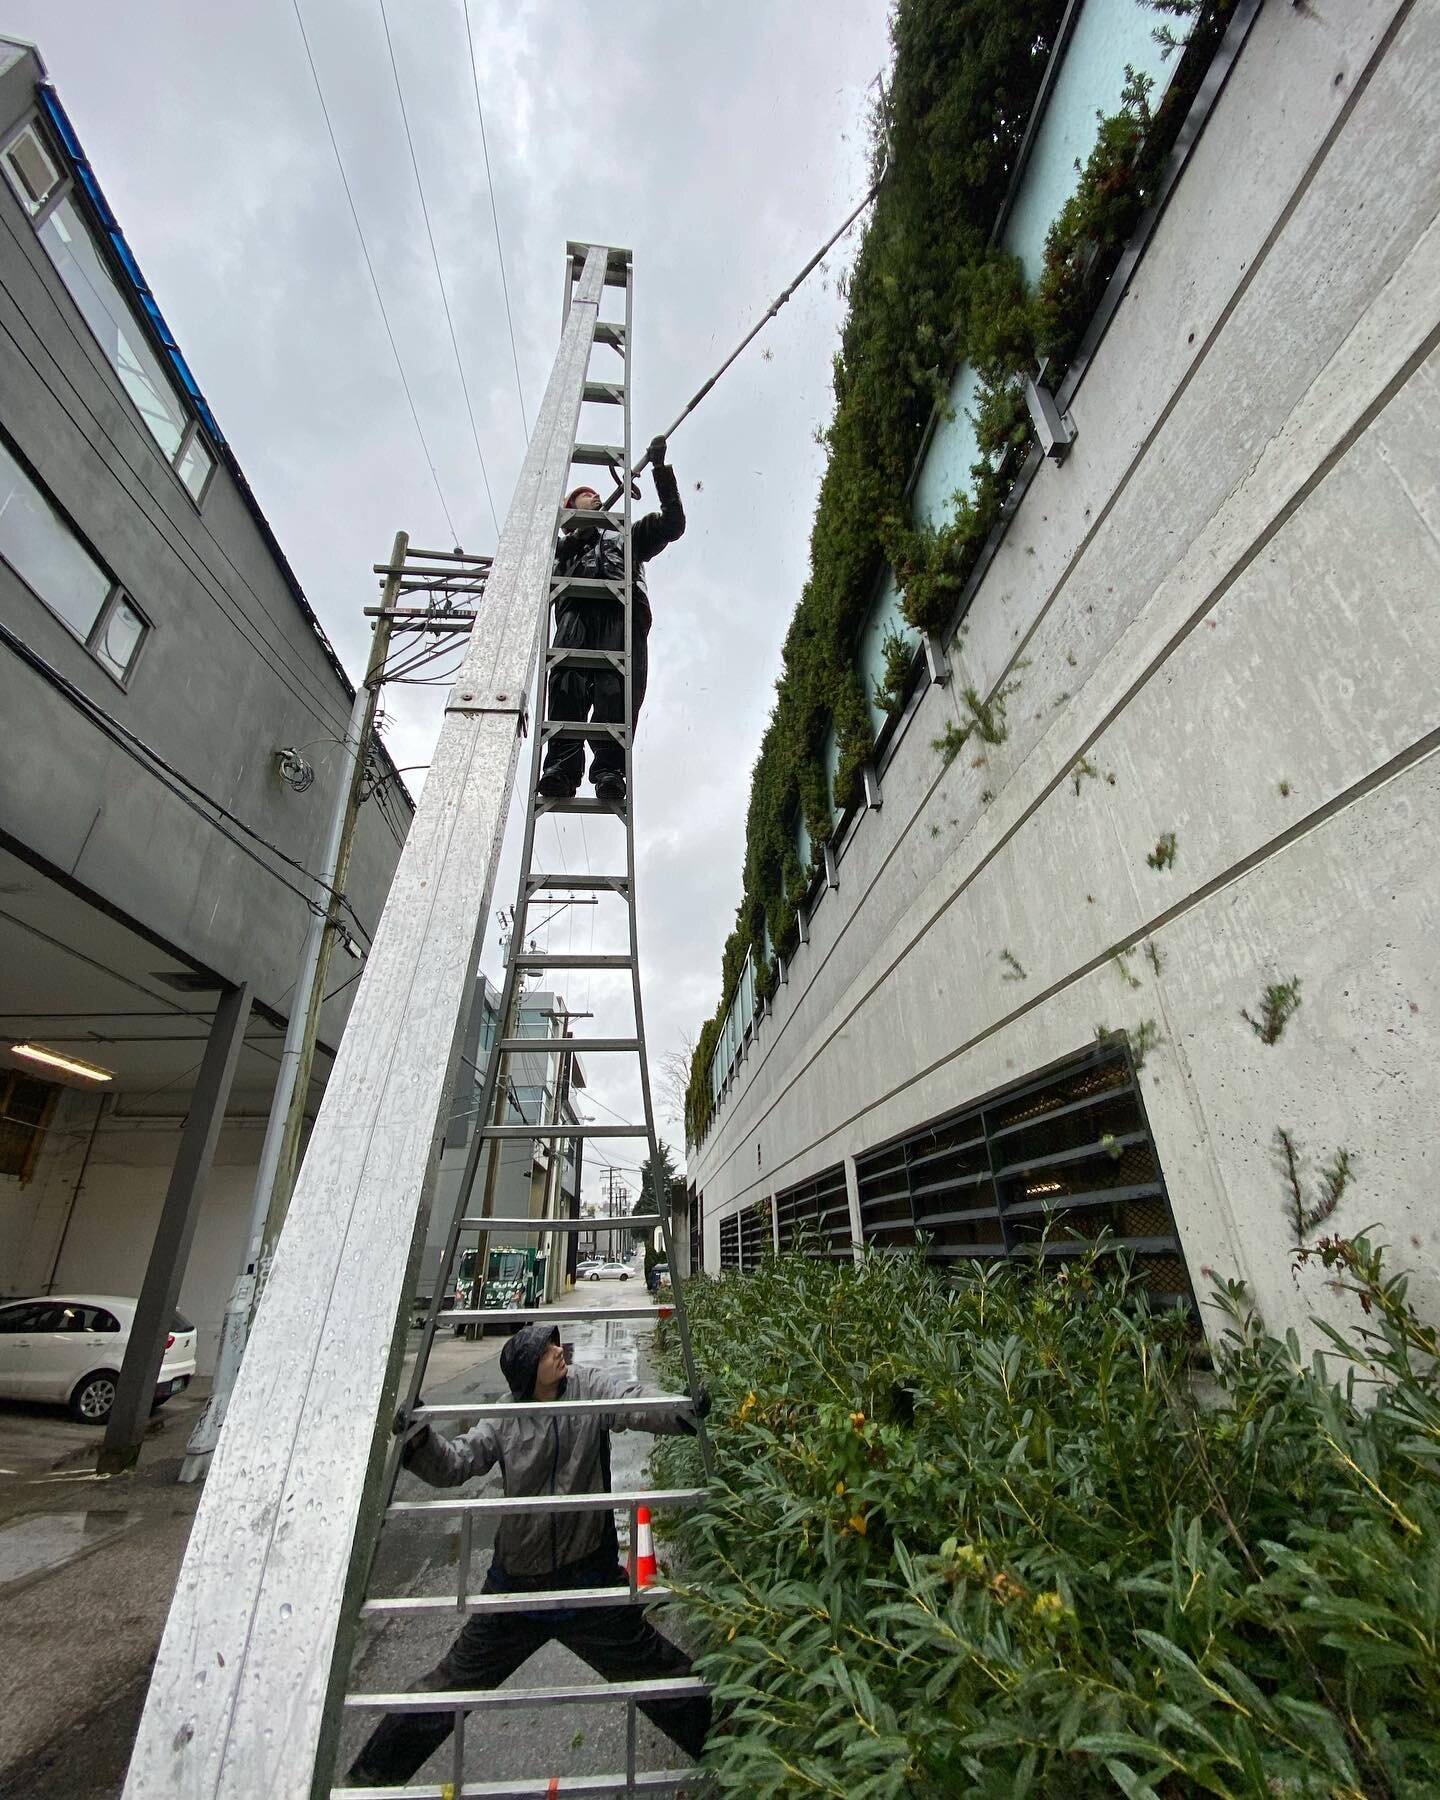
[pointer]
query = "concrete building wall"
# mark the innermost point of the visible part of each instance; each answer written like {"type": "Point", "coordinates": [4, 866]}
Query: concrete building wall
{"type": "Point", "coordinates": [232, 669]}
{"type": "Point", "coordinates": [1226, 600]}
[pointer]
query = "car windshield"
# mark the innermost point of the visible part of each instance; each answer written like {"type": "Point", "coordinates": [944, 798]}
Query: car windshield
{"type": "Point", "coordinates": [181, 1323]}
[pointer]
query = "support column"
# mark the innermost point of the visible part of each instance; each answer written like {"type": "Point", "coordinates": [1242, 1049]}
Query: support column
{"type": "Point", "coordinates": [852, 1192]}
{"type": "Point", "coordinates": [125, 1430]}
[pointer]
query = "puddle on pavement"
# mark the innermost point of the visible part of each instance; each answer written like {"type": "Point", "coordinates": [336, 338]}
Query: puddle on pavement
{"type": "Point", "coordinates": [41, 1541]}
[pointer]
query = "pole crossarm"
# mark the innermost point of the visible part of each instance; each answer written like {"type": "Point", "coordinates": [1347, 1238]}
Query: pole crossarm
{"type": "Point", "coordinates": [238, 1693]}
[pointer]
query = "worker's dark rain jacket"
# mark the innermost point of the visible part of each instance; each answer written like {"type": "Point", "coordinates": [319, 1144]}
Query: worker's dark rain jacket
{"type": "Point", "coordinates": [551, 1453]}
{"type": "Point", "coordinates": [597, 552]}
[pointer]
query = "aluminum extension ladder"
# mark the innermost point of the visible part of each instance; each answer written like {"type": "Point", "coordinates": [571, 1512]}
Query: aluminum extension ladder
{"type": "Point", "coordinates": [470, 1221]}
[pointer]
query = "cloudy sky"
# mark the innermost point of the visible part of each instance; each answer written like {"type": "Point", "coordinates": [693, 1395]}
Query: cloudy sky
{"type": "Point", "coordinates": [721, 142]}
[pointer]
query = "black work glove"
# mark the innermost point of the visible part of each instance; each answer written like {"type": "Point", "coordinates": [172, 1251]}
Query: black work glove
{"type": "Point", "coordinates": [410, 1430]}
{"type": "Point", "coordinates": [655, 455]}
{"type": "Point", "coordinates": [701, 1410]}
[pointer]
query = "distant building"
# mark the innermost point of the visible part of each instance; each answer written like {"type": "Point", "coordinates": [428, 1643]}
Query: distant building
{"type": "Point", "coordinates": [542, 1087]}
{"type": "Point", "coordinates": [171, 714]}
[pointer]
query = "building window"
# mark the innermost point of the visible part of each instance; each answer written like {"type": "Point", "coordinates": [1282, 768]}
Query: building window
{"type": "Point", "coordinates": [195, 464]}
{"type": "Point", "coordinates": [57, 568]}
{"type": "Point", "coordinates": [25, 1109]}
{"type": "Point", "coordinates": [81, 265]}
{"type": "Point", "coordinates": [1042, 1168]}
{"type": "Point", "coordinates": [31, 170]}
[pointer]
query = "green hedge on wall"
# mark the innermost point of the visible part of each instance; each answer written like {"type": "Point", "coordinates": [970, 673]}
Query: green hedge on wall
{"type": "Point", "coordinates": [927, 292]}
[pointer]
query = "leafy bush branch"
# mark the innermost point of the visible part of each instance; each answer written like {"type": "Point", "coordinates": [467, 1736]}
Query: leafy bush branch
{"type": "Point", "coordinates": [975, 1536]}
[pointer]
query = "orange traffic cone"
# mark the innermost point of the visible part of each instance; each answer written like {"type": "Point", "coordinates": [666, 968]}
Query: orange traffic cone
{"type": "Point", "coordinates": [643, 1553]}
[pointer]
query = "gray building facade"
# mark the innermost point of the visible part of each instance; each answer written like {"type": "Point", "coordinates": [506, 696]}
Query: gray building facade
{"type": "Point", "coordinates": [172, 724]}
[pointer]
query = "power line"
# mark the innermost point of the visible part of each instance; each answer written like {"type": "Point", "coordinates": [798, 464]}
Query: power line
{"type": "Point", "coordinates": [365, 252]}
{"type": "Point", "coordinates": [494, 214]}
{"type": "Point", "coordinates": [435, 258]}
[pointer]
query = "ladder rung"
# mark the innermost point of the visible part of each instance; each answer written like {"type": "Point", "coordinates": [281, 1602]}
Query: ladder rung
{"type": "Point", "coordinates": [542, 1503]}
{"type": "Point", "coordinates": [607, 332]}
{"type": "Point", "coordinates": [542, 1600]}
{"type": "Point", "coordinates": [570, 1046]}
{"type": "Point", "coordinates": [536, 959]}
{"type": "Point", "coordinates": [521, 1409]}
{"type": "Point", "coordinates": [615, 520]}
{"type": "Point", "coordinates": [585, 659]}
{"type": "Point", "coordinates": [583, 728]}
{"type": "Point", "coordinates": [581, 883]}
{"type": "Point", "coordinates": [560, 1315]}
{"type": "Point", "coordinates": [585, 587]}
{"type": "Point", "coordinates": [578, 1129]}
{"type": "Point", "coordinates": [600, 1224]}
{"type": "Point", "coordinates": [644, 1781]}
{"type": "Point", "coordinates": [674, 1687]}
{"type": "Point", "coordinates": [614, 808]}
{"type": "Point", "coordinates": [604, 456]}
{"type": "Point", "coordinates": [605, 393]}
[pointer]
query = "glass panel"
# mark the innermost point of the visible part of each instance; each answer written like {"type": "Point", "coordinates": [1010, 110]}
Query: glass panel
{"type": "Point", "coordinates": [78, 261]}
{"type": "Point", "coordinates": [41, 548]}
{"type": "Point", "coordinates": [195, 465]}
{"type": "Point", "coordinates": [33, 175]}
{"type": "Point", "coordinates": [119, 638]}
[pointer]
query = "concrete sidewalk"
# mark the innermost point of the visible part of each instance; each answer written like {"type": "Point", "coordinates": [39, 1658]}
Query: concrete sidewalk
{"type": "Point", "coordinates": [88, 1564]}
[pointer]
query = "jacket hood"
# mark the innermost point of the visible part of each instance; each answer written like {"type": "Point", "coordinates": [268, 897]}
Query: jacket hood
{"type": "Point", "coordinates": [520, 1359]}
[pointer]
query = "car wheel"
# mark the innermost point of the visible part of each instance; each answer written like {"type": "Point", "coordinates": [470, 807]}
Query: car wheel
{"type": "Point", "coordinates": [624, 1277]}
{"type": "Point", "coordinates": [93, 1398]}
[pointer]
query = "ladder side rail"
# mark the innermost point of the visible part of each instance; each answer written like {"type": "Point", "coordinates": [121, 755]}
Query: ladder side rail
{"type": "Point", "coordinates": [259, 1598]}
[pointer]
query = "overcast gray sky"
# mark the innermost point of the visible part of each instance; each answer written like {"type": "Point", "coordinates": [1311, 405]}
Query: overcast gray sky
{"type": "Point", "coordinates": [721, 142]}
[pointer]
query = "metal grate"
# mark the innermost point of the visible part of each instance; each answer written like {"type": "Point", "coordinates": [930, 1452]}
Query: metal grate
{"type": "Point", "coordinates": [814, 1216]}
{"type": "Point", "coordinates": [697, 1231]}
{"type": "Point", "coordinates": [756, 1238]}
{"type": "Point", "coordinates": [1047, 1166]}
{"type": "Point", "coordinates": [730, 1242]}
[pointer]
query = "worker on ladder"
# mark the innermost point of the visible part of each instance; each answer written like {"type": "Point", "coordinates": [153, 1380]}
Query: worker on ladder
{"type": "Point", "coordinates": [550, 1453]}
{"type": "Point", "coordinates": [597, 552]}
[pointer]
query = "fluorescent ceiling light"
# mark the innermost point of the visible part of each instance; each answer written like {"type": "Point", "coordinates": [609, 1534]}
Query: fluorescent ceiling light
{"type": "Point", "coordinates": [70, 1064]}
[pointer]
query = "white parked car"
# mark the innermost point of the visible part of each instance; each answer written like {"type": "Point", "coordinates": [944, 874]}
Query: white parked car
{"type": "Point", "coordinates": [69, 1347]}
{"type": "Point", "coordinates": [617, 1269]}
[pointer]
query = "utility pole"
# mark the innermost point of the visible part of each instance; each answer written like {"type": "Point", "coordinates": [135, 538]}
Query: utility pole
{"type": "Point", "coordinates": [275, 1177]}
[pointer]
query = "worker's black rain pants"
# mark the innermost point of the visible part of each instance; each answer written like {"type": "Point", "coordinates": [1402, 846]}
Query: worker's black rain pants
{"type": "Point", "coordinates": [617, 1641]}
{"type": "Point", "coordinates": [598, 694]}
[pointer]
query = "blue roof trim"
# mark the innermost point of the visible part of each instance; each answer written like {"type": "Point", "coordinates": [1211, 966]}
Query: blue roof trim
{"type": "Point", "coordinates": [50, 100]}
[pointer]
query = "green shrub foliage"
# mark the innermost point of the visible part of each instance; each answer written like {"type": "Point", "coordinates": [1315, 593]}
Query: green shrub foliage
{"type": "Point", "coordinates": [983, 1537]}
{"type": "Point", "coordinates": [928, 291]}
